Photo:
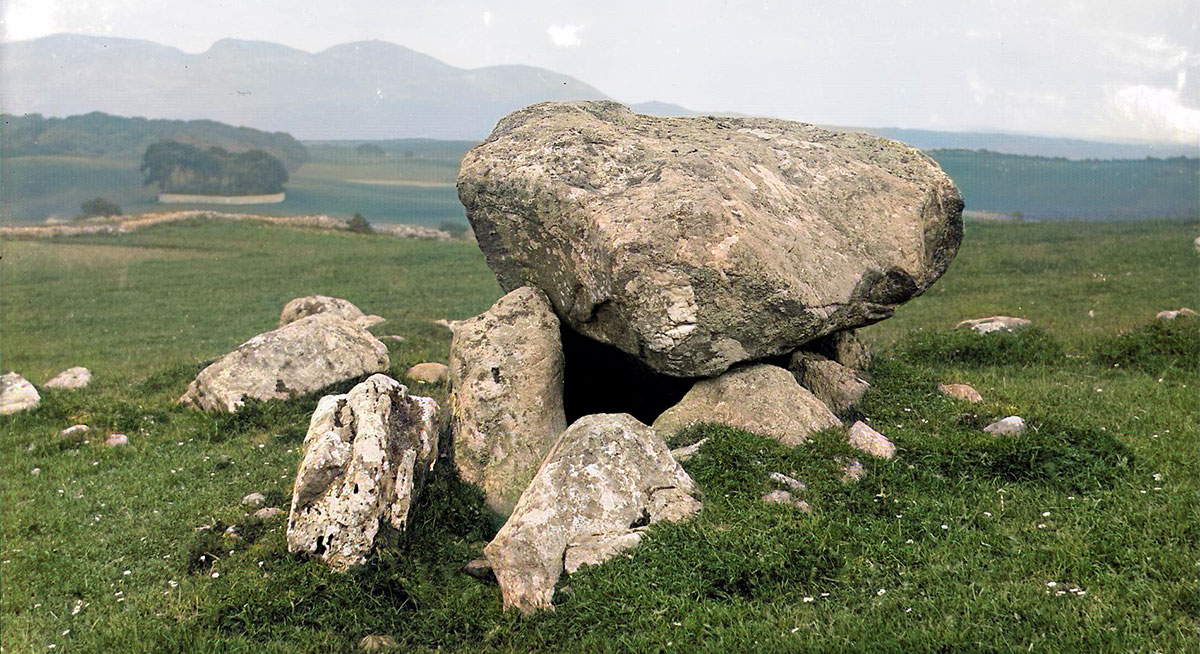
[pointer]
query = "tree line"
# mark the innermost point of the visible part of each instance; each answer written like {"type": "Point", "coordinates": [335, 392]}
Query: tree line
{"type": "Point", "coordinates": [185, 168]}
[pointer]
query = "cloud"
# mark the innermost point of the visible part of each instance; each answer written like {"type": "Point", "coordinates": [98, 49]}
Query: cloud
{"type": "Point", "coordinates": [565, 36]}
{"type": "Point", "coordinates": [29, 19]}
{"type": "Point", "coordinates": [1158, 110]}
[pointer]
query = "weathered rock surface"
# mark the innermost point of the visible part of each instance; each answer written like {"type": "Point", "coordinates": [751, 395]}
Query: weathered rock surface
{"type": "Point", "coordinates": [506, 403]}
{"type": "Point", "coordinates": [1172, 314]}
{"type": "Point", "coordinates": [787, 499]}
{"type": "Point", "coordinates": [758, 398]}
{"type": "Point", "coordinates": [962, 392]}
{"type": "Point", "coordinates": [365, 458]}
{"type": "Point", "coordinates": [71, 378]}
{"type": "Point", "coordinates": [1010, 426]}
{"type": "Point", "coordinates": [839, 387]}
{"type": "Point", "coordinates": [17, 394]}
{"type": "Point", "coordinates": [430, 372]}
{"type": "Point", "coordinates": [863, 437]}
{"type": "Point", "coordinates": [303, 307]}
{"type": "Point", "coordinates": [844, 347]}
{"type": "Point", "coordinates": [994, 324]}
{"type": "Point", "coordinates": [298, 358]}
{"type": "Point", "coordinates": [688, 451]}
{"type": "Point", "coordinates": [697, 243]}
{"type": "Point", "coordinates": [606, 478]}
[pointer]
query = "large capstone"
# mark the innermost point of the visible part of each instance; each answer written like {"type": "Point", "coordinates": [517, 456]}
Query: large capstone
{"type": "Point", "coordinates": [696, 243]}
{"type": "Point", "coordinates": [758, 398]}
{"type": "Point", "coordinates": [365, 459]}
{"type": "Point", "coordinates": [607, 478]}
{"type": "Point", "coordinates": [298, 358]}
{"type": "Point", "coordinates": [506, 376]}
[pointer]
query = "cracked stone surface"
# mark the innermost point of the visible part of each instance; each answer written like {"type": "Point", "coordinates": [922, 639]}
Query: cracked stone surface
{"type": "Point", "coordinates": [298, 358]}
{"type": "Point", "coordinates": [303, 307]}
{"type": "Point", "coordinates": [697, 243]}
{"type": "Point", "coordinates": [607, 477]}
{"type": "Point", "coordinates": [366, 455]}
{"type": "Point", "coordinates": [506, 402]}
{"type": "Point", "coordinates": [71, 378]}
{"type": "Point", "coordinates": [17, 394]}
{"type": "Point", "coordinates": [758, 398]}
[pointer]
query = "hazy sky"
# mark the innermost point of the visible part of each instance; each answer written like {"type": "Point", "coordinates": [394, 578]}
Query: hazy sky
{"type": "Point", "coordinates": [1096, 69]}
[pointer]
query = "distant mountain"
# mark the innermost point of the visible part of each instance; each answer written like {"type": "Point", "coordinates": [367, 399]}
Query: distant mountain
{"type": "Point", "coordinates": [361, 90]}
{"type": "Point", "coordinates": [1040, 146]}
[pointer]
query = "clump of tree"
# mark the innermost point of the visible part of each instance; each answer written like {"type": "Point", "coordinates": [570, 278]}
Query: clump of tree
{"type": "Point", "coordinates": [185, 168]}
{"type": "Point", "coordinates": [370, 151]}
{"type": "Point", "coordinates": [359, 225]}
{"type": "Point", "coordinates": [99, 207]}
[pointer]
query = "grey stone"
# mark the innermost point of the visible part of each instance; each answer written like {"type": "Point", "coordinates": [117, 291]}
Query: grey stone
{"type": "Point", "coordinates": [506, 403]}
{"type": "Point", "coordinates": [787, 499]}
{"type": "Point", "coordinates": [1010, 426]}
{"type": "Point", "coordinates": [71, 378]}
{"type": "Point", "coordinates": [852, 471]}
{"type": "Point", "coordinates": [994, 324]}
{"type": "Point", "coordinates": [366, 455]}
{"type": "Point", "coordinates": [254, 499]}
{"type": "Point", "coordinates": [962, 392]}
{"type": "Point", "coordinates": [1174, 313]}
{"type": "Point", "coordinates": [480, 569]}
{"type": "Point", "coordinates": [688, 451]}
{"type": "Point", "coordinates": [839, 387]}
{"type": "Point", "coordinates": [76, 431]}
{"type": "Point", "coordinates": [268, 513]}
{"type": "Point", "coordinates": [298, 358]}
{"type": "Point", "coordinates": [378, 643]}
{"type": "Point", "coordinates": [116, 440]}
{"type": "Point", "coordinates": [757, 398]}
{"type": "Point", "coordinates": [303, 307]}
{"type": "Point", "coordinates": [862, 437]}
{"type": "Point", "coordinates": [430, 372]}
{"type": "Point", "coordinates": [17, 394]}
{"type": "Point", "coordinates": [607, 477]}
{"type": "Point", "coordinates": [697, 243]}
{"type": "Point", "coordinates": [790, 482]}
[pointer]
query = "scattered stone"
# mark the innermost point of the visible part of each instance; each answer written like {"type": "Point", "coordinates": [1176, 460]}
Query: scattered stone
{"type": "Point", "coordinates": [116, 440]}
{"type": "Point", "coordinates": [268, 513]}
{"type": "Point", "coordinates": [35, 471]}
{"type": "Point", "coordinates": [298, 358]}
{"type": "Point", "coordinates": [688, 451]}
{"type": "Point", "coordinates": [1196, 243]}
{"type": "Point", "coordinates": [852, 471]}
{"type": "Point", "coordinates": [448, 324]}
{"type": "Point", "coordinates": [862, 437]}
{"type": "Point", "coordinates": [429, 372]}
{"type": "Point", "coordinates": [839, 387]}
{"type": "Point", "coordinates": [71, 378]}
{"type": "Point", "coordinates": [1174, 313]}
{"type": "Point", "coordinates": [392, 337]}
{"type": "Point", "coordinates": [607, 477]}
{"type": "Point", "coordinates": [365, 459]}
{"type": "Point", "coordinates": [17, 394]}
{"type": "Point", "coordinates": [480, 569]}
{"type": "Point", "coordinates": [1010, 426]}
{"type": "Point", "coordinates": [506, 376]}
{"type": "Point", "coordinates": [254, 499]}
{"type": "Point", "coordinates": [787, 499]}
{"type": "Point", "coordinates": [962, 392]}
{"type": "Point", "coordinates": [698, 243]}
{"type": "Point", "coordinates": [757, 398]}
{"type": "Point", "coordinates": [303, 307]}
{"type": "Point", "coordinates": [790, 482]}
{"type": "Point", "coordinates": [378, 643]}
{"type": "Point", "coordinates": [75, 430]}
{"type": "Point", "coordinates": [993, 324]}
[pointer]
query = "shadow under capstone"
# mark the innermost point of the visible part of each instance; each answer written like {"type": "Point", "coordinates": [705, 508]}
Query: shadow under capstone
{"type": "Point", "coordinates": [599, 378]}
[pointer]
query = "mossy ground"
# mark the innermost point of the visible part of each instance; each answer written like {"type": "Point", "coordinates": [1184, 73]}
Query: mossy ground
{"type": "Point", "coordinates": [962, 543]}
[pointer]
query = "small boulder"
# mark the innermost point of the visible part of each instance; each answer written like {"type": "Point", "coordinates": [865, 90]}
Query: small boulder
{"type": "Point", "coordinates": [962, 392]}
{"type": "Point", "coordinates": [688, 451]}
{"type": "Point", "coordinates": [17, 394]}
{"type": "Point", "coordinates": [254, 499]}
{"type": "Point", "coordinates": [862, 437]}
{"type": "Point", "coordinates": [844, 347]}
{"type": "Point", "coordinates": [378, 643]}
{"type": "Point", "coordinates": [268, 512]}
{"type": "Point", "coordinates": [303, 307]}
{"type": "Point", "coordinates": [1174, 313]}
{"type": "Point", "coordinates": [790, 482]}
{"type": "Point", "coordinates": [298, 358]}
{"type": "Point", "coordinates": [757, 398]}
{"type": "Point", "coordinates": [75, 431]}
{"type": "Point", "coordinates": [506, 403]}
{"type": "Point", "coordinates": [116, 440]}
{"type": "Point", "coordinates": [787, 499]}
{"type": "Point", "coordinates": [428, 373]}
{"type": "Point", "coordinates": [480, 569]}
{"type": "Point", "coordinates": [365, 459]}
{"type": "Point", "coordinates": [607, 477]}
{"type": "Point", "coordinates": [839, 387]}
{"type": "Point", "coordinates": [993, 324]}
{"type": "Point", "coordinates": [71, 378]}
{"type": "Point", "coordinates": [1010, 426]}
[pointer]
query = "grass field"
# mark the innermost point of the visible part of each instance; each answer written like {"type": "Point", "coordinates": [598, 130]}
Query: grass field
{"type": "Point", "coordinates": [962, 543]}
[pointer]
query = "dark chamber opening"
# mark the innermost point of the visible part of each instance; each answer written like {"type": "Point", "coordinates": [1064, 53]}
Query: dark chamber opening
{"type": "Point", "coordinates": [599, 378]}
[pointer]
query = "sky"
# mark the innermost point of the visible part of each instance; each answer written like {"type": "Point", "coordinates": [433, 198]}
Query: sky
{"type": "Point", "coordinates": [1100, 69]}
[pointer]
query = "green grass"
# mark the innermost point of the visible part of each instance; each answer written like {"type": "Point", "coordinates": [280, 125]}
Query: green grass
{"type": "Point", "coordinates": [1111, 457]}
